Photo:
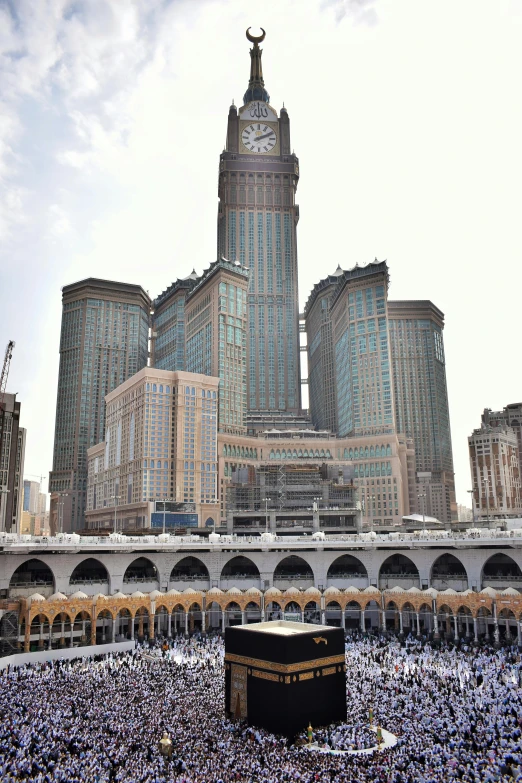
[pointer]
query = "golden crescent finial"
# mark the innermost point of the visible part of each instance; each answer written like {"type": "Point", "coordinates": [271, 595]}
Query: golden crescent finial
{"type": "Point", "coordinates": [255, 39]}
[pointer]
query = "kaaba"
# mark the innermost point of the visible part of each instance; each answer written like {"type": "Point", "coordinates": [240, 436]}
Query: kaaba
{"type": "Point", "coordinates": [282, 675]}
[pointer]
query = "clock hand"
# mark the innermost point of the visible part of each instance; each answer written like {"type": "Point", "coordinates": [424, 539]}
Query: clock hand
{"type": "Point", "coordinates": [272, 133]}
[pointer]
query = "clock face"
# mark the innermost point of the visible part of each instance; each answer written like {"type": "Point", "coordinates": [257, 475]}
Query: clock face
{"type": "Point", "coordinates": [259, 137]}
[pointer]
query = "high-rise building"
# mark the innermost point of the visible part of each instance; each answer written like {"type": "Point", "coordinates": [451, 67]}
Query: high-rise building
{"type": "Point", "coordinates": [104, 341]}
{"type": "Point", "coordinates": [510, 416]}
{"type": "Point", "coordinates": [216, 318]}
{"type": "Point", "coordinates": [32, 496]}
{"type": "Point", "coordinates": [257, 220]}
{"type": "Point", "coordinates": [168, 325]}
{"type": "Point", "coordinates": [495, 473]}
{"type": "Point", "coordinates": [321, 369]}
{"type": "Point", "coordinates": [421, 401]}
{"type": "Point", "coordinates": [161, 444]}
{"type": "Point", "coordinates": [361, 358]}
{"type": "Point", "coordinates": [12, 456]}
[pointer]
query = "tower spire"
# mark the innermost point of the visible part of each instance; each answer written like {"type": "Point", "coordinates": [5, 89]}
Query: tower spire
{"type": "Point", "coordinates": [256, 85]}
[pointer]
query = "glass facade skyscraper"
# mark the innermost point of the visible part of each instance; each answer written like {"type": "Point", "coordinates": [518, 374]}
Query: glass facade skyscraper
{"type": "Point", "coordinates": [104, 340]}
{"type": "Point", "coordinates": [421, 400]}
{"type": "Point", "coordinates": [361, 357]}
{"type": "Point", "coordinates": [257, 219]}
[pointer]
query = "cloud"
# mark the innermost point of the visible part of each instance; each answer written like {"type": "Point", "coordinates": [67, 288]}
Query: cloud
{"type": "Point", "coordinates": [360, 11]}
{"type": "Point", "coordinates": [78, 63]}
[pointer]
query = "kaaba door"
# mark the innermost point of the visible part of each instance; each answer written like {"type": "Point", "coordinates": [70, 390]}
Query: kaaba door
{"type": "Point", "coordinates": [238, 691]}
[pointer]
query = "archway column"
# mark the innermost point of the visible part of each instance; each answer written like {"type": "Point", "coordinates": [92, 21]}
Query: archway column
{"type": "Point", "coordinates": [132, 628]}
{"type": "Point", "coordinates": [243, 617]}
{"type": "Point", "coordinates": [222, 620]}
{"type": "Point", "coordinates": [113, 634]}
{"type": "Point", "coordinates": [302, 615]}
{"type": "Point", "coordinates": [417, 617]}
{"type": "Point", "coordinates": [203, 621]}
{"type": "Point", "coordinates": [152, 621]}
{"type": "Point", "coordinates": [343, 618]}
{"type": "Point", "coordinates": [475, 629]}
{"type": "Point", "coordinates": [71, 639]}
{"type": "Point", "coordinates": [519, 633]}
{"type": "Point", "coordinates": [401, 622]}
{"type": "Point", "coordinates": [186, 622]}
{"type": "Point", "coordinates": [169, 626]}
{"type": "Point", "coordinates": [363, 620]}
{"type": "Point", "coordinates": [455, 628]}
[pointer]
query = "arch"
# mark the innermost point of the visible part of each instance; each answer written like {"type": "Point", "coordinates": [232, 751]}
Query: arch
{"type": "Point", "coordinates": [31, 576]}
{"type": "Point", "coordinates": [89, 572]}
{"type": "Point", "coordinates": [189, 569]}
{"type": "Point", "coordinates": [140, 570]}
{"type": "Point", "coordinates": [210, 522]}
{"type": "Point", "coordinates": [346, 567]}
{"type": "Point", "coordinates": [240, 567]}
{"type": "Point", "coordinates": [501, 571]}
{"type": "Point", "coordinates": [293, 569]}
{"type": "Point", "coordinates": [398, 570]}
{"type": "Point", "coordinates": [448, 571]}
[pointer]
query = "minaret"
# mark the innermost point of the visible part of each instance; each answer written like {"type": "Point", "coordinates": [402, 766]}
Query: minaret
{"type": "Point", "coordinates": [257, 219]}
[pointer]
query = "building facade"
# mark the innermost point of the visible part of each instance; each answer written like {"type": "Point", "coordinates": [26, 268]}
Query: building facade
{"type": "Point", "coordinates": [361, 358]}
{"type": "Point", "coordinates": [31, 496]}
{"type": "Point", "coordinates": [104, 341]}
{"type": "Point", "coordinates": [168, 325]}
{"type": "Point", "coordinates": [421, 401]}
{"type": "Point", "coordinates": [320, 354]}
{"type": "Point", "coordinates": [216, 318]}
{"type": "Point", "coordinates": [510, 416]}
{"type": "Point", "coordinates": [257, 220]}
{"type": "Point", "coordinates": [160, 444]}
{"type": "Point", "coordinates": [12, 455]}
{"type": "Point", "coordinates": [495, 472]}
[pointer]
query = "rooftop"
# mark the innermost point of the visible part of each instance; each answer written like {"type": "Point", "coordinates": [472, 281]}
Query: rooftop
{"type": "Point", "coordinates": [285, 627]}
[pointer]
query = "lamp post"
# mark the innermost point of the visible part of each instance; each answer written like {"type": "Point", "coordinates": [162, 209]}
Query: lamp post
{"type": "Point", "coordinates": [486, 485]}
{"type": "Point", "coordinates": [3, 492]}
{"type": "Point", "coordinates": [165, 501]}
{"type": "Point", "coordinates": [115, 498]}
{"type": "Point", "coordinates": [267, 501]}
{"type": "Point", "coordinates": [61, 503]}
{"type": "Point", "coordinates": [472, 493]}
{"type": "Point", "coordinates": [422, 497]}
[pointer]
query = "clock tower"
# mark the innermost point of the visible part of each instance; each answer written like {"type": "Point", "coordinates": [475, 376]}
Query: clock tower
{"type": "Point", "coordinates": [257, 220]}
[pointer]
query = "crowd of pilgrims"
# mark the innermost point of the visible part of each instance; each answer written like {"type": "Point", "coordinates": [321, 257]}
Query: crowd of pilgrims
{"type": "Point", "coordinates": [457, 713]}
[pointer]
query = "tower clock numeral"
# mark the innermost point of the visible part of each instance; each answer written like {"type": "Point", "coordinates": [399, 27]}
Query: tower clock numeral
{"type": "Point", "coordinates": [258, 126]}
{"type": "Point", "coordinates": [265, 128]}
{"type": "Point", "coordinates": [265, 149]}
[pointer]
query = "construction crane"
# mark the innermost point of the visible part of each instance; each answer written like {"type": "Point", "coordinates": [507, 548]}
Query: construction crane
{"type": "Point", "coordinates": [5, 370]}
{"type": "Point", "coordinates": [3, 384]}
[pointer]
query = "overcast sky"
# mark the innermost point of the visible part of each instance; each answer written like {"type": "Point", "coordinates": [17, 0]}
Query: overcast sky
{"type": "Point", "coordinates": [406, 117]}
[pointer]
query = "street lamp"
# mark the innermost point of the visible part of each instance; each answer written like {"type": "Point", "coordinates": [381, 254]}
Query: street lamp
{"type": "Point", "coordinates": [115, 498]}
{"type": "Point", "coordinates": [61, 503]}
{"type": "Point", "coordinates": [486, 485]}
{"type": "Point", "coordinates": [267, 501]}
{"type": "Point", "coordinates": [165, 501]}
{"type": "Point", "coordinates": [3, 491]}
{"type": "Point", "coordinates": [472, 493]}
{"type": "Point", "coordinates": [422, 496]}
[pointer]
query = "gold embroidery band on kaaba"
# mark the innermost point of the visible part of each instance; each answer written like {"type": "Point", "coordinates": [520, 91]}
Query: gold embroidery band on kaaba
{"type": "Point", "coordinates": [265, 675]}
{"type": "Point", "coordinates": [285, 668]}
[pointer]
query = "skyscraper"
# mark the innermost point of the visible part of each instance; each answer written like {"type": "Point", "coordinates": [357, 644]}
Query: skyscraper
{"type": "Point", "coordinates": [361, 358]}
{"type": "Point", "coordinates": [257, 219]}
{"type": "Point", "coordinates": [321, 371]}
{"type": "Point", "coordinates": [216, 317]}
{"type": "Point", "coordinates": [421, 401]}
{"type": "Point", "coordinates": [104, 340]}
{"type": "Point", "coordinates": [11, 465]}
{"type": "Point", "coordinates": [168, 325]}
